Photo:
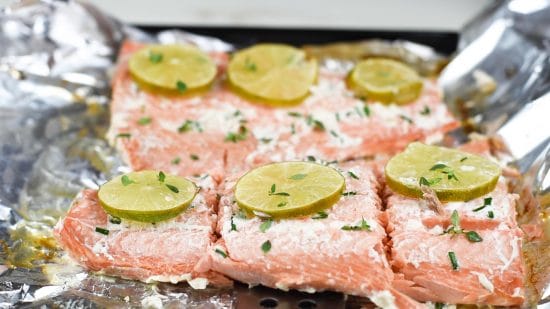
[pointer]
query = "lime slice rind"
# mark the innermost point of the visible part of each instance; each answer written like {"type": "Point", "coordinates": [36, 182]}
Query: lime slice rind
{"type": "Point", "coordinates": [143, 197]}
{"type": "Point", "coordinates": [452, 174]}
{"type": "Point", "coordinates": [272, 190]}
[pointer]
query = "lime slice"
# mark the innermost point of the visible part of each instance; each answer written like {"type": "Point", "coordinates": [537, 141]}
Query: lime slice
{"type": "Point", "coordinates": [273, 72]}
{"type": "Point", "coordinates": [147, 196]}
{"type": "Point", "coordinates": [385, 80]}
{"type": "Point", "coordinates": [453, 175]}
{"type": "Point", "coordinates": [289, 189]}
{"type": "Point", "coordinates": [174, 67]}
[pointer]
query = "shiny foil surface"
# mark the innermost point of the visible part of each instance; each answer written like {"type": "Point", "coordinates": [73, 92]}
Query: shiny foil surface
{"type": "Point", "coordinates": [56, 58]}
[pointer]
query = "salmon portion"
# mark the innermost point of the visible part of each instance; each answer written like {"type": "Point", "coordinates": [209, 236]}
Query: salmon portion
{"type": "Point", "coordinates": [331, 124]}
{"type": "Point", "coordinates": [167, 251]}
{"type": "Point", "coordinates": [490, 272]}
{"type": "Point", "coordinates": [311, 254]}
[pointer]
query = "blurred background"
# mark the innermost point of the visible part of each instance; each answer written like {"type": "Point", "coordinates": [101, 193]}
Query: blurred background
{"type": "Point", "coordinates": [435, 15]}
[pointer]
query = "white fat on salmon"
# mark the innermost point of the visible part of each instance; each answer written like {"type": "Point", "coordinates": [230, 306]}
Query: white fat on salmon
{"type": "Point", "coordinates": [383, 299]}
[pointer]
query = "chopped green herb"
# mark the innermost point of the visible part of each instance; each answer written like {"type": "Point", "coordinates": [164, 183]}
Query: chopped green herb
{"type": "Point", "coordinates": [266, 246]}
{"type": "Point", "coordinates": [439, 305]}
{"type": "Point", "coordinates": [176, 160]}
{"type": "Point", "coordinates": [337, 115]}
{"type": "Point", "coordinates": [155, 57]}
{"type": "Point", "coordinates": [233, 226]}
{"type": "Point", "coordinates": [298, 176]}
{"type": "Point", "coordinates": [426, 111]}
{"type": "Point", "coordinates": [181, 86]}
{"type": "Point", "coordinates": [366, 110]}
{"type": "Point", "coordinates": [463, 159]}
{"type": "Point", "coordinates": [454, 261]}
{"type": "Point", "coordinates": [407, 119]}
{"type": "Point", "coordinates": [265, 140]}
{"type": "Point", "coordinates": [352, 175]}
{"type": "Point", "coordinates": [282, 204]}
{"type": "Point", "coordinates": [333, 133]}
{"type": "Point", "coordinates": [236, 137]}
{"type": "Point", "coordinates": [294, 114]}
{"type": "Point", "coordinates": [194, 157]}
{"type": "Point", "coordinates": [450, 174]}
{"type": "Point", "coordinates": [249, 65]}
{"type": "Point", "coordinates": [311, 158]}
{"type": "Point", "coordinates": [186, 126]}
{"type": "Point", "coordinates": [123, 135]}
{"type": "Point", "coordinates": [126, 180]}
{"type": "Point", "coordinates": [161, 177]}
{"type": "Point", "coordinates": [349, 193]}
{"type": "Point", "coordinates": [491, 214]}
{"type": "Point", "coordinates": [237, 113]}
{"type": "Point", "coordinates": [473, 236]}
{"type": "Point", "coordinates": [115, 220]}
{"type": "Point", "coordinates": [144, 121]}
{"type": "Point", "coordinates": [101, 230]}
{"type": "Point", "coordinates": [320, 215]}
{"type": "Point", "coordinates": [486, 202]}
{"type": "Point", "coordinates": [455, 220]}
{"type": "Point", "coordinates": [317, 125]}
{"type": "Point", "coordinates": [279, 193]}
{"type": "Point", "coordinates": [221, 252]}
{"type": "Point", "coordinates": [265, 225]}
{"type": "Point", "coordinates": [362, 226]}
{"type": "Point", "coordinates": [425, 182]}
{"type": "Point", "coordinates": [172, 188]}
{"type": "Point", "coordinates": [292, 129]}
{"type": "Point", "coordinates": [438, 166]}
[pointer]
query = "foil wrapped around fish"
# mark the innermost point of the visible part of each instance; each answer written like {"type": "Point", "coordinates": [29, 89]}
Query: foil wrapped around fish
{"type": "Point", "coordinates": [55, 63]}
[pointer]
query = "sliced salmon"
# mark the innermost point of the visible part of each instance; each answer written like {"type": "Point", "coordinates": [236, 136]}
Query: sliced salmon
{"type": "Point", "coordinates": [311, 254]}
{"type": "Point", "coordinates": [167, 251]}
{"type": "Point", "coordinates": [331, 124]}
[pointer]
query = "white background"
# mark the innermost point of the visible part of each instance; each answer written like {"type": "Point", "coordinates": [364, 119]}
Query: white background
{"type": "Point", "coordinates": [444, 15]}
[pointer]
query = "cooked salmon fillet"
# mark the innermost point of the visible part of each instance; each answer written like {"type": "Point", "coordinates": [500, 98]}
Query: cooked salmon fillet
{"type": "Point", "coordinates": [167, 251]}
{"type": "Point", "coordinates": [490, 272]}
{"type": "Point", "coordinates": [311, 254]}
{"type": "Point", "coordinates": [226, 133]}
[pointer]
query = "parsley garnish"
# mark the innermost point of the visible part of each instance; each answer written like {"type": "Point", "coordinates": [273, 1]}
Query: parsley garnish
{"type": "Point", "coordinates": [115, 220]}
{"type": "Point", "coordinates": [455, 229]}
{"type": "Point", "coordinates": [194, 157]}
{"type": "Point", "coordinates": [438, 166]}
{"type": "Point", "coordinates": [294, 114]}
{"type": "Point", "coordinates": [273, 189]}
{"type": "Point", "coordinates": [317, 125]}
{"type": "Point", "coordinates": [297, 176]}
{"type": "Point", "coordinates": [123, 135]}
{"type": "Point", "coordinates": [428, 182]}
{"type": "Point", "coordinates": [221, 252]}
{"type": "Point", "coordinates": [155, 57]}
{"type": "Point", "coordinates": [311, 158]}
{"type": "Point", "coordinates": [439, 305]}
{"type": "Point", "coordinates": [349, 193]}
{"type": "Point", "coordinates": [425, 111]}
{"type": "Point", "coordinates": [352, 175]}
{"type": "Point", "coordinates": [463, 159]}
{"type": "Point", "coordinates": [176, 160]}
{"type": "Point", "coordinates": [266, 246]}
{"type": "Point", "coordinates": [362, 226]}
{"type": "Point", "coordinates": [144, 121]}
{"type": "Point", "coordinates": [181, 86]}
{"type": "Point", "coordinates": [249, 65]}
{"type": "Point", "coordinates": [333, 133]}
{"type": "Point", "coordinates": [172, 188]}
{"type": "Point", "coordinates": [490, 214]}
{"type": "Point", "coordinates": [292, 129]}
{"type": "Point", "coordinates": [407, 119]}
{"type": "Point", "coordinates": [454, 262]}
{"type": "Point", "coordinates": [188, 125]}
{"type": "Point", "coordinates": [126, 180]}
{"type": "Point", "coordinates": [161, 177]}
{"type": "Point", "coordinates": [265, 225]}
{"type": "Point", "coordinates": [101, 230]}
{"type": "Point", "coordinates": [366, 110]}
{"type": "Point", "coordinates": [486, 202]}
{"type": "Point", "coordinates": [233, 226]}
{"type": "Point", "coordinates": [320, 215]}
{"type": "Point", "coordinates": [265, 140]}
{"type": "Point", "coordinates": [337, 115]}
{"type": "Point", "coordinates": [236, 137]}
{"type": "Point", "coordinates": [282, 204]}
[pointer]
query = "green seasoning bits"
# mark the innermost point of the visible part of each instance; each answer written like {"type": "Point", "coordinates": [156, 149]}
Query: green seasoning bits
{"type": "Point", "coordinates": [454, 261]}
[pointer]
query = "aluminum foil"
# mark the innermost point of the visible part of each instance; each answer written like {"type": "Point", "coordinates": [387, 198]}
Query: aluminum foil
{"type": "Point", "coordinates": [55, 63]}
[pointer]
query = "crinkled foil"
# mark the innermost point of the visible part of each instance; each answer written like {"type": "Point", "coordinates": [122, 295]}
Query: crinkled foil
{"type": "Point", "coordinates": [55, 63]}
